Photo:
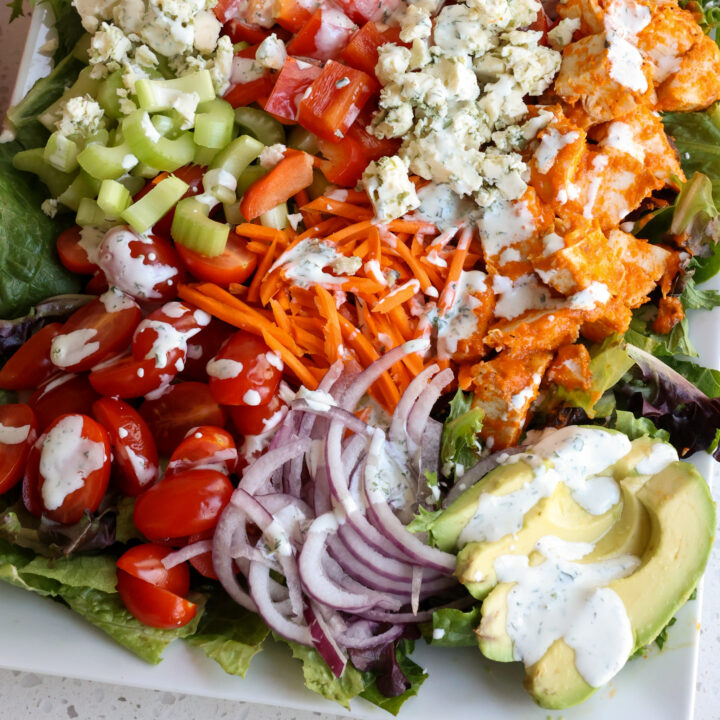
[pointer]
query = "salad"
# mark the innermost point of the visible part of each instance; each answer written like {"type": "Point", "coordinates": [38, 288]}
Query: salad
{"type": "Point", "coordinates": [351, 325]}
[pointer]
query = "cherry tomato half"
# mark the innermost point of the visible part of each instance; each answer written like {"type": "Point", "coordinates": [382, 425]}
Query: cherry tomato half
{"type": "Point", "coordinates": [18, 431]}
{"type": "Point", "coordinates": [96, 331]}
{"type": "Point", "coordinates": [182, 505]}
{"type": "Point", "coordinates": [183, 407]}
{"type": "Point", "coordinates": [61, 394]}
{"type": "Point", "coordinates": [150, 592]}
{"type": "Point", "coordinates": [72, 252]}
{"type": "Point", "coordinates": [207, 447]}
{"type": "Point", "coordinates": [129, 378]}
{"type": "Point", "coordinates": [202, 347]}
{"type": "Point", "coordinates": [74, 467]}
{"type": "Point", "coordinates": [146, 267]}
{"type": "Point", "coordinates": [203, 563]}
{"type": "Point", "coordinates": [234, 265]}
{"type": "Point", "coordinates": [245, 371]}
{"type": "Point", "coordinates": [135, 464]}
{"type": "Point", "coordinates": [30, 364]}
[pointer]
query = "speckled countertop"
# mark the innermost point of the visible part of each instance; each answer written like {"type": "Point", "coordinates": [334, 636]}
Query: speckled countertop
{"type": "Point", "coordinates": [28, 696]}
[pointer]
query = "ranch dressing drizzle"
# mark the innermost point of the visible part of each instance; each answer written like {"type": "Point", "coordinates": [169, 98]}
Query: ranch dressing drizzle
{"type": "Point", "coordinates": [573, 455]}
{"type": "Point", "coordinates": [563, 598]}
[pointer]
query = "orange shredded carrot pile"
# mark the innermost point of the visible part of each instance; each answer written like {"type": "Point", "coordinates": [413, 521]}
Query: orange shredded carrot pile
{"type": "Point", "coordinates": [377, 297]}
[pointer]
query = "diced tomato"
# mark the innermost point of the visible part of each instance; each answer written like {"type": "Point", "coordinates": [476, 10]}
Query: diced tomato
{"type": "Point", "coordinates": [206, 447]}
{"type": "Point", "coordinates": [18, 432]}
{"type": "Point", "coordinates": [361, 11]}
{"type": "Point", "coordinates": [293, 80]}
{"type": "Point", "coordinates": [291, 14]}
{"type": "Point", "coordinates": [152, 593]}
{"type": "Point", "coordinates": [59, 395]}
{"type": "Point", "coordinates": [291, 175]}
{"type": "Point", "coordinates": [72, 254]}
{"type": "Point", "coordinates": [185, 406]}
{"type": "Point", "coordinates": [202, 348]}
{"type": "Point", "coordinates": [74, 467]}
{"type": "Point", "coordinates": [135, 457]}
{"type": "Point", "coordinates": [227, 9]}
{"type": "Point", "coordinates": [362, 51]}
{"type": "Point", "coordinates": [96, 331]}
{"type": "Point", "coordinates": [30, 364]}
{"type": "Point", "coordinates": [184, 504]}
{"type": "Point", "coordinates": [234, 265]}
{"type": "Point", "coordinates": [323, 36]}
{"type": "Point", "coordinates": [245, 371]}
{"type": "Point", "coordinates": [335, 100]}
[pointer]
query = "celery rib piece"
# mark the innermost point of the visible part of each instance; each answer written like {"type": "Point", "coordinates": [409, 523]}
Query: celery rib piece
{"type": "Point", "coordinates": [276, 217]}
{"type": "Point", "coordinates": [144, 213]}
{"type": "Point", "coordinates": [193, 228]}
{"type": "Point", "coordinates": [83, 186]}
{"type": "Point", "coordinates": [113, 198]}
{"type": "Point", "coordinates": [34, 162]}
{"type": "Point", "coordinates": [61, 153]}
{"type": "Point", "coordinates": [151, 148]}
{"type": "Point", "coordinates": [107, 163]}
{"type": "Point", "coordinates": [90, 213]}
{"type": "Point", "coordinates": [260, 125]}
{"type": "Point", "coordinates": [158, 95]}
{"type": "Point", "coordinates": [246, 179]}
{"type": "Point", "coordinates": [236, 157]}
{"type": "Point", "coordinates": [214, 124]}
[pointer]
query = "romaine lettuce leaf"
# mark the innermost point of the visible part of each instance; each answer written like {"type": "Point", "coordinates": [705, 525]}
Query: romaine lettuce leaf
{"type": "Point", "coordinates": [635, 427]}
{"type": "Point", "coordinates": [460, 443]}
{"type": "Point", "coordinates": [453, 628]}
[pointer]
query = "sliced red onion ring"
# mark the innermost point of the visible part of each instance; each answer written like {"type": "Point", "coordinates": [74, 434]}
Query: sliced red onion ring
{"type": "Point", "coordinates": [189, 551]}
{"type": "Point", "coordinates": [359, 636]}
{"type": "Point", "coordinates": [323, 640]}
{"type": "Point", "coordinates": [223, 562]}
{"type": "Point", "coordinates": [398, 424]}
{"type": "Point", "coordinates": [256, 476]}
{"type": "Point", "coordinates": [418, 418]}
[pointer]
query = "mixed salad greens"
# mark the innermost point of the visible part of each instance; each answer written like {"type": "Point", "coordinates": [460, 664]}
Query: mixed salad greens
{"type": "Point", "coordinates": [644, 383]}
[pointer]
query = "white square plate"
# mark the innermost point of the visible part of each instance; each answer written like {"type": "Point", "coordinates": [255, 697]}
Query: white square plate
{"type": "Point", "coordinates": [41, 636]}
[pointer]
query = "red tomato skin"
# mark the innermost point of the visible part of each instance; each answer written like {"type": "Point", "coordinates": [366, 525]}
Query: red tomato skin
{"type": "Point", "coordinates": [13, 456]}
{"type": "Point", "coordinates": [31, 481]}
{"type": "Point", "coordinates": [204, 447]}
{"type": "Point", "coordinates": [129, 378]}
{"type": "Point", "coordinates": [153, 606]}
{"type": "Point", "coordinates": [113, 331]}
{"type": "Point", "coordinates": [90, 495]}
{"type": "Point", "coordinates": [203, 347]}
{"type": "Point", "coordinates": [252, 420]}
{"type": "Point", "coordinates": [72, 255]}
{"type": "Point", "coordinates": [30, 364]}
{"type": "Point", "coordinates": [97, 284]}
{"type": "Point", "coordinates": [54, 398]}
{"type": "Point", "coordinates": [295, 77]}
{"type": "Point", "coordinates": [203, 563]}
{"type": "Point", "coordinates": [185, 406]}
{"type": "Point", "coordinates": [145, 563]}
{"type": "Point", "coordinates": [128, 433]}
{"type": "Point", "coordinates": [235, 265]}
{"type": "Point", "coordinates": [185, 504]}
{"type": "Point", "coordinates": [257, 376]}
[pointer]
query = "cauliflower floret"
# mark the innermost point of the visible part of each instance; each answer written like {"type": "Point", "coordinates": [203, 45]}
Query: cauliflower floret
{"type": "Point", "coordinates": [389, 188]}
{"type": "Point", "coordinates": [271, 53]}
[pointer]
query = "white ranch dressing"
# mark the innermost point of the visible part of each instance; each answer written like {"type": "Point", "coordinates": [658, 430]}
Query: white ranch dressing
{"type": "Point", "coordinates": [623, 21]}
{"type": "Point", "coordinates": [66, 460]}
{"type": "Point", "coordinates": [661, 455]}
{"type": "Point", "coordinates": [621, 136]}
{"type": "Point", "coordinates": [144, 470]}
{"type": "Point", "coordinates": [563, 598]}
{"type": "Point", "coordinates": [460, 321]}
{"type": "Point", "coordinates": [71, 348]}
{"type": "Point", "coordinates": [115, 300]}
{"type": "Point", "coordinates": [167, 339]}
{"type": "Point", "coordinates": [131, 274]}
{"type": "Point", "coordinates": [551, 143]}
{"type": "Point", "coordinates": [504, 224]}
{"type": "Point", "coordinates": [573, 455]}
{"type": "Point", "coordinates": [10, 435]}
{"type": "Point", "coordinates": [304, 263]}
{"type": "Point", "coordinates": [90, 239]}
{"type": "Point", "coordinates": [223, 368]}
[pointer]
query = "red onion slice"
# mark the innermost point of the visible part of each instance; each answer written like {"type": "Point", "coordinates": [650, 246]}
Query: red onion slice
{"type": "Point", "coordinates": [322, 639]}
{"type": "Point", "coordinates": [256, 476]}
{"type": "Point", "coordinates": [189, 551]}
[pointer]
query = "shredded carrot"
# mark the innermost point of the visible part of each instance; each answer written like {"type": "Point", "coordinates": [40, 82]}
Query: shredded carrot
{"type": "Point", "coordinates": [237, 289]}
{"type": "Point", "coordinates": [259, 232]}
{"type": "Point", "coordinates": [328, 310]}
{"type": "Point", "coordinates": [354, 230]}
{"type": "Point", "coordinates": [397, 296]}
{"type": "Point", "coordinates": [411, 226]}
{"type": "Point", "coordinates": [280, 316]}
{"type": "Point", "coordinates": [412, 262]}
{"type": "Point", "coordinates": [303, 374]}
{"type": "Point", "coordinates": [254, 290]}
{"type": "Point", "coordinates": [347, 195]}
{"type": "Point", "coordinates": [447, 297]}
{"type": "Point", "coordinates": [339, 208]}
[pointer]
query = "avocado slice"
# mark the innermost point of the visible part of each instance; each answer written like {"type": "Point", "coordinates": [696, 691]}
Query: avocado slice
{"type": "Point", "coordinates": [673, 520]}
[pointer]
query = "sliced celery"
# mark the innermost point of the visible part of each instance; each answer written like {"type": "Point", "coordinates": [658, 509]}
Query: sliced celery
{"type": "Point", "coordinates": [143, 170]}
{"type": "Point", "coordinates": [113, 198]}
{"type": "Point", "coordinates": [81, 51]}
{"type": "Point", "coordinates": [108, 97]}
{"type": "Point", "coordinates": [214, 123]}
{"type": "Point", "coordinates": [133, 183]}
{"type": "Point", "coordinates": [302, 139]}
{"type": "Point", "coordinates": [61, 153]}
{"type": "Point", "coordinates": [83, 186]}
{"type": "Point", "coordinates": [151, 148]}
{"type": "Point", "coordinates": [193, 228]}
{"type": "Point", "coordinates": [89, 213]}
{"type": "Point", "coordinates": [204, 155]}
{"type": "Point", "coordinates": [248, 177]}
{"type": "Point", "coordinates": [260, 125]}
{"type": "Point", "coordinates": [33, 161]}
{"type": "Point", "coordinates": [232, 213]}
{"type": "Point", "coordinates": [220, 184]}
{"type": "Point", "coordinates": [166, 126]}
{"type": "Point", "coordinates": [276, 217]}
{"type": "Point", "coordinates": [237, 155]}
{"type": "Point", "coordinates": [107, 163]}
{"type": "Point", "coordinates": [144, 213]}
{"type": "Point", "coordinates": [157, 95]}
{"type": "Point", "coordinates": [319, 185]}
